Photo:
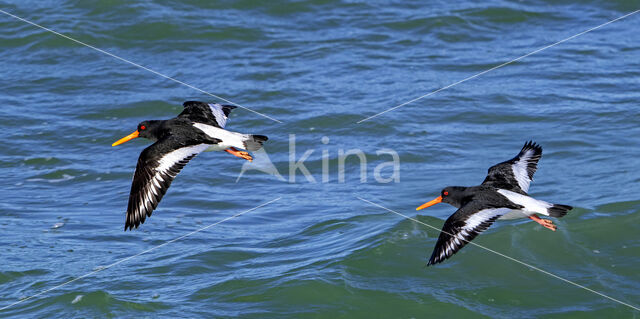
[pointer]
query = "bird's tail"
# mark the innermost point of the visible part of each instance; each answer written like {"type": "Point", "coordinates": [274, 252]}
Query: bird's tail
{"type": "Point", "coordinates": [254, 142]}
{"type": "Point", "coordinates": [558, 210]}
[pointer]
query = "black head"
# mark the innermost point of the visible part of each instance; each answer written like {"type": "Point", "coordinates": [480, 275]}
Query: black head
{"type": "Point", "coordinates": [452, 195]}
{"type": "Point", "coordinates": [147, 129]}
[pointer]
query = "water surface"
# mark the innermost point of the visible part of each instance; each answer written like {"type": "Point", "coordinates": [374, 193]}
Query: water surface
{"type": "Point", "coordinates": [318, 67]}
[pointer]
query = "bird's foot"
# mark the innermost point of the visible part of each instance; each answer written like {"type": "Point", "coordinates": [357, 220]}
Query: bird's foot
{"type": "Point", "coordinates": [241, 154]}
{"type": "Point", "coordinates": [547, 223]}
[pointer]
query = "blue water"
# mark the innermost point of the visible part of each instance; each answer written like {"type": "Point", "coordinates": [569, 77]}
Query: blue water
{"type": "Point", "coordinates": [318, 67]}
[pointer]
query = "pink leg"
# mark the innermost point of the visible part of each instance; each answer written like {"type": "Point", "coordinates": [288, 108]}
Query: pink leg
{"type": "Point", "coordinates": [544, 222]}
{"type": "Point", "coordinates": [241, 154]}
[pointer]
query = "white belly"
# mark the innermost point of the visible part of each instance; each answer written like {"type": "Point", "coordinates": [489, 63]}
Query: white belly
{"type": "Point", "coordinates": [515, 214]}
{"type": "Point", "coordinates": [216, 148]}
{"type": "Point", "coordinates": [530, 205]}
{"type": "Point", "coordinates": [229, 139]}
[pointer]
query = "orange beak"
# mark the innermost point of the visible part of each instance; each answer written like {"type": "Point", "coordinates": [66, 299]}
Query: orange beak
{"type": "Point", "coordinates": [126, 138]}
{"type": "Point", "coordinates": [430, 203]}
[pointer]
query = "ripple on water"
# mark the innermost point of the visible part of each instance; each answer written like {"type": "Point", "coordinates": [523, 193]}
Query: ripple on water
{"type": "Point", "coordinates": [103, 302]}
{"type": "Point", "coordinates": [8, 276]}
{"type": "Point", "coordinates": [57, 176]}
{"type": "Point", "coordinates": [319, 66]}
{"type": "Point", "coordinates": [506, 15]}
{"type": "Point", "coordinates": [40, 162]}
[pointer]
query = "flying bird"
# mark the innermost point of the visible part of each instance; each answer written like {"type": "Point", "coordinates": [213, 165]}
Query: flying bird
{"type": "Point", "coordinates": [200, 127]}
{"type": "Point", "coordinates": [502, 195]}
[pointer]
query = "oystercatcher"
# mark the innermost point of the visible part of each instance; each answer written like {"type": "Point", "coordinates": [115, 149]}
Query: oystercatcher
{"type": "Point", "coordinates": [200, 127]}
{"type": "Point", "coordinates": [502, 195]}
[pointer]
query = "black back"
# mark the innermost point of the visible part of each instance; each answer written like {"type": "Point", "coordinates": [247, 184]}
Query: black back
{"type": "Point", "coordinates": [201, 112]}
{"type": "Point", "coordinates": [524, 164]}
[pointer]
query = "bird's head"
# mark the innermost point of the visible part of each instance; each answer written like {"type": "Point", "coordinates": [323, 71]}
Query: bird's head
{"type": "Point", "coordinates": [452, 195]}
{"type": "Point", "coordinates": [146, 129]}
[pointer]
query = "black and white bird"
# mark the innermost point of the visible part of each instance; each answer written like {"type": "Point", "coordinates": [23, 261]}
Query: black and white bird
{"type": "Point", "coordinates": [200, 127]}
{"type": "Point", "coordinates": [502, 195]}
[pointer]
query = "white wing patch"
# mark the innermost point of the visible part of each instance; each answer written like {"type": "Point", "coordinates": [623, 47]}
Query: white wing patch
{"type": "Point", "coordinates": [482, 216]}
{"type": "Point", "coordinates": [155, 182]}
{"type": "Point", "coordinates": [170, 159]}
{"type": "Point", "coordinates": [453, 238]}
{"type": "Point", "coordinates": [216, 109]}
{"type": "Point", "coordinates": [520, 169]}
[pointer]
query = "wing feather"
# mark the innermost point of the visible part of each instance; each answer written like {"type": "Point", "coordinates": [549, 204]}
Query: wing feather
{"type": "Point", "coordinates": [213, 114]}
{"type": "Point", "coordinates": [461, 228]}
{"type": "Point", "coordinates": [516, 174]}
{"type": "Point", "coordinates": [152, 178]}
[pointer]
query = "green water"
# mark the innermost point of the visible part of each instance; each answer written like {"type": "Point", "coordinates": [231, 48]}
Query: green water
{"type": "Point", "coordinates": [318, 67]}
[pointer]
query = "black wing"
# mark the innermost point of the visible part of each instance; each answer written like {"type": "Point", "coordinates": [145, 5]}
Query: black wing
{"type": "Point", "coordinates": [462, 227]}
{"type": "Point", "coordinates": [516, 174]}
{"type": "Point", "coordinates": [157, 166]}
{"type": "Point", "coordinates": [212, 114]}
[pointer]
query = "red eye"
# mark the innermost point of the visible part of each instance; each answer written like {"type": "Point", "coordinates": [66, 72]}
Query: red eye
{"type": "Point", "coordinates": [446, 193]}
{"type": "Point", "coordinates": [142, 127]}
